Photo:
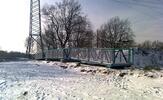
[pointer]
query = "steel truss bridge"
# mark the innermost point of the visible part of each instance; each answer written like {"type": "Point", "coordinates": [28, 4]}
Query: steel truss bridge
{"type": "Point", "coordinates": [111, 57]}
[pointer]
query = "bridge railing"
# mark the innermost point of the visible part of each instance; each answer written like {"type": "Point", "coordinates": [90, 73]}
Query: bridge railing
{"type": "Point", "coordinates": [104, 55]}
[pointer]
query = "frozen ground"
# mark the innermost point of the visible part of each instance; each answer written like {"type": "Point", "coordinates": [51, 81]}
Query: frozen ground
{"type": "Point", "coordinates": [48, 81]}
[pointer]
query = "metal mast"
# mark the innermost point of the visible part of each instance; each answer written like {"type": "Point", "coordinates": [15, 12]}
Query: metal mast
{"type": "Point", "coordinates": [35, 36]}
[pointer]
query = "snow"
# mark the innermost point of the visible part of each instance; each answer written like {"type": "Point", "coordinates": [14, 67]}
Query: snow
{"type": "Point", "coordinates": [41, 80]}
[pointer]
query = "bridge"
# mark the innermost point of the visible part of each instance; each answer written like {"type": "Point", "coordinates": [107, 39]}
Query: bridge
{"type": "Point", "coordinates": [105, 56]}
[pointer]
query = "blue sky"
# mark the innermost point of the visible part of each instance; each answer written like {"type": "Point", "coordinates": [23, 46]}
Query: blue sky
{"type": "Point", "coordinates": [146, 17]}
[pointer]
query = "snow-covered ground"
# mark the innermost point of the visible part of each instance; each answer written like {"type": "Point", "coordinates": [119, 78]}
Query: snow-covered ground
{"type": "Point", "coordinates": [33, 80]}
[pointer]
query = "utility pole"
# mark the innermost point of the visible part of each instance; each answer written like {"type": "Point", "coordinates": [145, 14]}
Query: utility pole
{"type": "Point", "coordinates": [35, 33]}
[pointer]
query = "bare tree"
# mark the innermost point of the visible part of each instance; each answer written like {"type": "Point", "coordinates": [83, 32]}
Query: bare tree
{"type": "Point", "coordinates": [61, 22]}
{"type": "Point", "coordinates": [83, 34]}
{"type": "Point", "coordinates": [50, 38]}
{"type": "Point", "coordinates": [147, 44]}
{"type": "Point", "coordinates": [27, 44]}
{"type": "Point", "coordinates": [115, 33]}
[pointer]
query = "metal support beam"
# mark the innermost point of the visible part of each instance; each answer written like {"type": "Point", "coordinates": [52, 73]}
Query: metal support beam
{"type": "Point", "coordinates": [35, 33]}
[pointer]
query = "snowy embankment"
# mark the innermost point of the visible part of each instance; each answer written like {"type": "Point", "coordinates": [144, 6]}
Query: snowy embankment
{"type": "Point", "coordinates": [35, 80]}
{"type": "Point", "coordinates": [143, 57]}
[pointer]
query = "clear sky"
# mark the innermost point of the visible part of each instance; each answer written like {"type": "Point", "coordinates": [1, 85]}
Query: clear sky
{"type": "Point", "coordinates": [146, 17]}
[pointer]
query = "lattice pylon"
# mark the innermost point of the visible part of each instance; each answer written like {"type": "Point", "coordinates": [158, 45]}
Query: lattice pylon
{"type": "Point", "coordinates": [35, 37]}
